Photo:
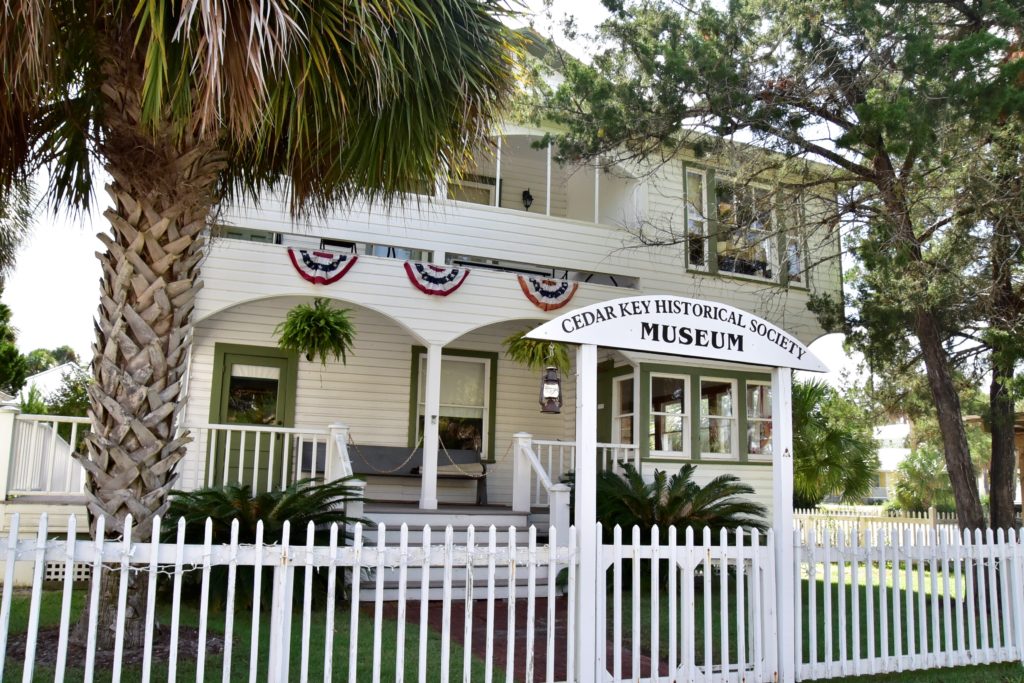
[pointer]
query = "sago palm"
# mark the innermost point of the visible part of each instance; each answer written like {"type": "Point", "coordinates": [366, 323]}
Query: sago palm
{"type": "Point", "coordinates": [185, 103]}
{"type": "Point", "coordinates": [675, 501]}
{"type": "Point", "coordinates": [307, 500]}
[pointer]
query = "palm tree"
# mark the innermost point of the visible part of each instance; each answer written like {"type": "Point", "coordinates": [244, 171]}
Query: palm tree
{"type": "Point", "coordinates": [187, 103]}
{"type": "Point", "coordinates": [834, 452]}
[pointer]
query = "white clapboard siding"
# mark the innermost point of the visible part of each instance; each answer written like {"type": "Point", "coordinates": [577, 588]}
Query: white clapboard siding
{"type": "Point", "coordinates": [897, 597]}
{"type": "Point", "coordinates": [513, 235]}
{"type": "Point", "coordinates": [371, 392]}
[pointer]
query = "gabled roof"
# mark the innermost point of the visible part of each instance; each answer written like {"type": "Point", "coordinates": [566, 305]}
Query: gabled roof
{"type": "Point", "coordinates": [48, 381]}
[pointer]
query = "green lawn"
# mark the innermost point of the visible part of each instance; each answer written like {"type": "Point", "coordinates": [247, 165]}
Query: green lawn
{"type": "Point", "coordinates": [990, 673]}
{"type": "Point", "coordinates": [50, 616]}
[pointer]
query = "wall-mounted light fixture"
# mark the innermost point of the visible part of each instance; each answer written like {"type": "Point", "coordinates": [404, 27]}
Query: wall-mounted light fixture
{"type": "Point", "coordinates": [551, 391]}
{"type": "Point", "coordinates": [527, 199]}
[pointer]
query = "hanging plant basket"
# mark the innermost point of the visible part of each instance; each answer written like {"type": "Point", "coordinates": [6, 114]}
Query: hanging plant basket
{"type": "Point", "coordinates": [537, 354]}
{"type": "Point", "coordinates": [317, 331]}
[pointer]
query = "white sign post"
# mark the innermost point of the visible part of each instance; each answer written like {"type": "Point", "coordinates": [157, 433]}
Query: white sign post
{"type": "Point", "coordinates": [676, 326]}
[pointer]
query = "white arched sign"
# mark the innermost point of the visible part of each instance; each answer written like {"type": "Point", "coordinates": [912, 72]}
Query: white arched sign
{"type": "Point", "coordinates": [691, 328]}
{"type": "Point", "coordinates": [678, 326]}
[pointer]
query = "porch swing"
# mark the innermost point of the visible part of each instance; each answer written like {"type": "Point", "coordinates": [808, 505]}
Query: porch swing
{"type": "Point", "coordinates": [399, 461]}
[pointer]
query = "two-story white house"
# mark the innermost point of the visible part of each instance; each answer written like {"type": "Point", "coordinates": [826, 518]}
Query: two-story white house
{"type": "Point", "coordinates": [435, 284]}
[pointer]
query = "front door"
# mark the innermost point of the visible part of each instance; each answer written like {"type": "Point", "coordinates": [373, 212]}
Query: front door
{"type": "Point", "coordinates": [256, 389]}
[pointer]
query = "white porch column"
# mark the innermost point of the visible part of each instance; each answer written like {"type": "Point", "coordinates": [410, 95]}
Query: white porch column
{"type": "Point", "coordinates": [547, 186]}
{"type": "Point", "coordinates": [589, 643]}
{"type": "Point", "coordinates": [431, 410]}
{"type": "Point", "coordinates": [497, 175]}
{"type": "Point", "coordinates": [782, 520]}
{"type": "Point", "coordinates": [8, 411]}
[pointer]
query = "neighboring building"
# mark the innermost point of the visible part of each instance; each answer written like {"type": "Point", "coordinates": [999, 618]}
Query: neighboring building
{"type": "Point", "coordinates": [49, 381]}
{"type": "Point", "coordinates": [893, 446]}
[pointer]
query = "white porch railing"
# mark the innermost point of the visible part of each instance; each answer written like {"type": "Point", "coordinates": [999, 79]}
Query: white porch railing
{"type": "Point", "coordinates": [557, 459]}
{"type": "Point", "coordinates": [526, 466]}
{"type": "Point", "coordinates": [263, 458]}
{"type": "Point", "coordinates": [41, 461]}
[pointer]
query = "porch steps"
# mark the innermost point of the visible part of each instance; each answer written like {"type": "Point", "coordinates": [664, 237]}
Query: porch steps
{"type": "Point", "coordinates": [460, 519]}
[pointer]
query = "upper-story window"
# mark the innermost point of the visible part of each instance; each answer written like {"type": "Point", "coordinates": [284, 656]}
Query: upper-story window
{"type": "Point", "coordinates": [475, 189]}
{"type": "Point", "coordinates": [696, 220]}
{"type": "Point", "coordinates": [793, 265]}
{"type": "Point", "coordinates": [746, 238]}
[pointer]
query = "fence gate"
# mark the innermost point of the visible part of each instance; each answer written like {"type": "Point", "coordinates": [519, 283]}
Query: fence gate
{"type": "Point", "coordinates": [686, 609]}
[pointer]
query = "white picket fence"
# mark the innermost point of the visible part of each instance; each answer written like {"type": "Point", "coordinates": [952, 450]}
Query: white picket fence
{"type": "Point", "coordinates": [668, 608]}
{"type": "Point", "coordinates": [898, 599]}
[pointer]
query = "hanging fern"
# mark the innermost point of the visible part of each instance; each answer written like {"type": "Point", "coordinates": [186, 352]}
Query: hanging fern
{"type": "Point", "coordinates": [537, 354]}
{"type": "Point", "coordinates": [317, 330]}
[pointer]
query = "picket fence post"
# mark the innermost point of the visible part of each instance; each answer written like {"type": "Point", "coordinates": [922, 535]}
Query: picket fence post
{"type": "Point", "coordinates": [782, 520]}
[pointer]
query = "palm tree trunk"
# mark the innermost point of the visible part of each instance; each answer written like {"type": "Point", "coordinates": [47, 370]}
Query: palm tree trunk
{"type": "Point", "coordinates": [163, 188]}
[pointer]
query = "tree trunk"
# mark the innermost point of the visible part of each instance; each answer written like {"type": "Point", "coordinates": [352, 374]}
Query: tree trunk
{"type": "Point", "coordinates": [1002, 464]}
{"type": "Point", "coordinates": [164, 185]}
{"type": "Point", "coordinates": [936, 360]}
{"type": "Point", "coordinates": [954, 435]}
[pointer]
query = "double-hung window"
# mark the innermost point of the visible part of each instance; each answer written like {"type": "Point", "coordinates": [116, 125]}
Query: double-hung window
{"type": "Point", "coordinates": [696, 220]}
{"type": "Point", "coordinates": [746, 239]}
{"type": "Point", "coordinates": [669, 429]}
{"type": "Point", "coordinates": [717, 418]}
{"type": "Point", "coordinates": [463, 415]}
{"type": "Point", "coordinates": [793, 265]}
{"type": "Point", "coordinates": [759, 420]}
{"type": "Point", "coordinates": [622, 418]}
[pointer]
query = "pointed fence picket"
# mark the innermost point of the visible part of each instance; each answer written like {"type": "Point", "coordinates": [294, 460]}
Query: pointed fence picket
{"type": "Point", "coordinates": [284, 643]}
{"type": "Point", "coordinates": [671, 606]}
{"type": "Point", "coordinates": [908, 598]}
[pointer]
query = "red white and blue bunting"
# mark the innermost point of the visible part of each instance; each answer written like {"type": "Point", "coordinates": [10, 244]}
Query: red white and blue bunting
{"type": "Point", "coordinates": [547, 294]}
{"type": "Point", "coordinates": [321, 267]}
{"type": "Point", "coordinates": [436, 280]}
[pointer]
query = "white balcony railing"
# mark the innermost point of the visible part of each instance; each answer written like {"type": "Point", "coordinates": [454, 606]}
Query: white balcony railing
{"type": "Point", "coordinates": [42, 461]}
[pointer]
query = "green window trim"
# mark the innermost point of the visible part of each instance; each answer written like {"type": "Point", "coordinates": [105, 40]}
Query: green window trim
{"type": "Point", "coordinates": [694, 375]}
{"type": "Point", "coordinates": [288, 381]}
{"type": "Point", "coordinates": [607, 373]}
{"type": "Point", "coordinates": [492, 391]}
{"type": "Point", "coordinates": [781, 277]}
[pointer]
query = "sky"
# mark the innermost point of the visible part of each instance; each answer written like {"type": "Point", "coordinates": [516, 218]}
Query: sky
{"type": "Point", "coordinates": [53, 292]}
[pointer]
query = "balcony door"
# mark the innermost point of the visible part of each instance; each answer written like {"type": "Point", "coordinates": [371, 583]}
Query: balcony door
{"type": "Point", "coordinates": [253, 387]}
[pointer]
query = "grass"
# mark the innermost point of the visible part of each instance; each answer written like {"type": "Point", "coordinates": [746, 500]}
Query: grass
{"type": "Point", "coordinates": [714, 638]}
{"type": "Point", "coordinates": [186, 670]}
{"type": "Point", "coordinates": [991, 673]}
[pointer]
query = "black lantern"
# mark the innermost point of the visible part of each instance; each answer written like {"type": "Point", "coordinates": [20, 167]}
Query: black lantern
{"type": "Point", "coordinates": [551, 391]}
{"type": "Point", "coordinates": [527, 199]}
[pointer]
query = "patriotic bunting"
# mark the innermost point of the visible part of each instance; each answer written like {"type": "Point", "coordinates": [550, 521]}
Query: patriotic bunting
{"type": "Point", "coordinates": [547, 294]}
{"type": "Point", "coordinates": [321, 267]}
{"type": "Point", "coordinates": [437, 280]}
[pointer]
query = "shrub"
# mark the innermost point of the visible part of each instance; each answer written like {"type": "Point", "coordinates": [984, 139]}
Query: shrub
{"type": "Point", "coordinates": [674, 501]}
{"type": "Point", "coordinates": [305, 501]}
